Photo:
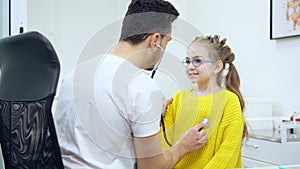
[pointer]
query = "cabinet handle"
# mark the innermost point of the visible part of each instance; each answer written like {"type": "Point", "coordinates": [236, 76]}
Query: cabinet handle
{"type": "Point", "coordinates": [252, 146]}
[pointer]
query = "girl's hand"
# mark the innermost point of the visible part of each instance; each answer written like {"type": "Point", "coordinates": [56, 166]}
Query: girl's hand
{"type": "Point", "coordinates": [169, 101]}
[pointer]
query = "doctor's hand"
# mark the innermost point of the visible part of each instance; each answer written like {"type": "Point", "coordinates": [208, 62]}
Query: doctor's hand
{"type": "Point", "coordinates": [167, 103]}
{"type": "Point", "coordinates": [192, 139]}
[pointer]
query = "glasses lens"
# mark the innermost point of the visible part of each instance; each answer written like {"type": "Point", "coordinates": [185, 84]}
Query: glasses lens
{"type": "Point", "coordinates": [197, 61]}
{"type": "Point", "coordinates": [186, 62]}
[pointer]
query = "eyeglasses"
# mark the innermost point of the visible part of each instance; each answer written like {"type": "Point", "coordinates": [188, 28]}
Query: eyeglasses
{"type": "Point", "coordinates": [196, 61]}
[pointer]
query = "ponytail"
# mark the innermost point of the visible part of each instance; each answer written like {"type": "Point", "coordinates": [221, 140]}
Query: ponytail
{"type": "Point", "coordinates": [233, 84]}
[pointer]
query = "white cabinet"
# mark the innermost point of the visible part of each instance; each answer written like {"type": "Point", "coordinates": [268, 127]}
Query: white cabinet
{"type": "Point", "coordinates": [249, 163]}
{"type": "Point", "coordinates": [258, 152]}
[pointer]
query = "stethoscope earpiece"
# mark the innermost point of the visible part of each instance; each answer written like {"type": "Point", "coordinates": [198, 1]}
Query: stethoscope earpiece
{"type": "Point", "coordinates": [160, 47]}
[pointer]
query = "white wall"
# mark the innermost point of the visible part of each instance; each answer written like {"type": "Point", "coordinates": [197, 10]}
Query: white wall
{"type": "Point", "coordinates": [268, 68]}
{"type": "Point", "coordinates": [4, 18]}
{"type": "Point", "coordinates": [71, 23]}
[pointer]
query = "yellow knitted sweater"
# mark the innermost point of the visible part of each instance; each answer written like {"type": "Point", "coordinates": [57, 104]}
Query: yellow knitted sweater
{"type": "Point", "coordinates": [223, 149]}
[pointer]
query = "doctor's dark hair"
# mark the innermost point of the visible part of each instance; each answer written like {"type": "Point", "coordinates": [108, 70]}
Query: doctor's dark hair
{"type": "Point", "coordinates": [144, 17]}
{"type": "Point", "coordinates": [221, 51]}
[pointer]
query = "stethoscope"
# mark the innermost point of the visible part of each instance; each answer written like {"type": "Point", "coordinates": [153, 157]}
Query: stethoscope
{"type": "Point", "coordinates": [203, 120]}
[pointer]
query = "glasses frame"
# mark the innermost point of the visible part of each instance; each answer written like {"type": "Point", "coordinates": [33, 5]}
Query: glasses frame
{"type": "Point", "coordinates": [191, 61]}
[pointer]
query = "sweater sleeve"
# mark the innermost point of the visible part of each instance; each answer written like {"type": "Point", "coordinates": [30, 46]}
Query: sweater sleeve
{"type": "Point", "coordinates": [228, 154]}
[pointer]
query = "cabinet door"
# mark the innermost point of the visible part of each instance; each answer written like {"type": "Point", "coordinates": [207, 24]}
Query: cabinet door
{"type": "Point", "coordinates": [249, 163]}
{"type": "Point", "coordinates": [272, 152]}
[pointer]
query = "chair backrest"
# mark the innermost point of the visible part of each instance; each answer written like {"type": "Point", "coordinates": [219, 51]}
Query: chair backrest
{"type": "Point", "coordinates": [29, 76]}
{"type": "Point", "coordinates": [32, 60]}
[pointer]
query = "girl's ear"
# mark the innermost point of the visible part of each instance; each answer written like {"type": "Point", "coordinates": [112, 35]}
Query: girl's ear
{"type": "Point", "coordinates": [218, 66]}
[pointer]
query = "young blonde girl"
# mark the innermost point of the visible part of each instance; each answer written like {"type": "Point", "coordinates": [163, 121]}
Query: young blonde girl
{"type": "Point", "coordinates": [209, 65]}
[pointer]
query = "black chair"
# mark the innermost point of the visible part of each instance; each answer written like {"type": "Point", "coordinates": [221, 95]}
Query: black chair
{"type": "Point", "coordinates": [29, 76]}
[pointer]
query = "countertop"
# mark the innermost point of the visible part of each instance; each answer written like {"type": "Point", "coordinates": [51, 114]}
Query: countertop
{"type": "Point", "coordinates": [274, 135]}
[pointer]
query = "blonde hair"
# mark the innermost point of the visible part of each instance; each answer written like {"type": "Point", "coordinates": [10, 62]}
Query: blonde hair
{"type": "Point", "coordinates": [224, 53]}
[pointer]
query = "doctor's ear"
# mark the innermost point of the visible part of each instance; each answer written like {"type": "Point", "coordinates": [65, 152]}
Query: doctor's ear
{"type": "Point", "coordinates": [155, 39]}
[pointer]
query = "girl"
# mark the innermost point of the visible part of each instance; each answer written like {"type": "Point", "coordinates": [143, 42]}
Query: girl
{"type": "Point", "coordinates": [208, 64]}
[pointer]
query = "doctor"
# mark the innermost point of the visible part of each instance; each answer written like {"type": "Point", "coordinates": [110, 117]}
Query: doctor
{"type": "Point", "coordinates": [108, 111]}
